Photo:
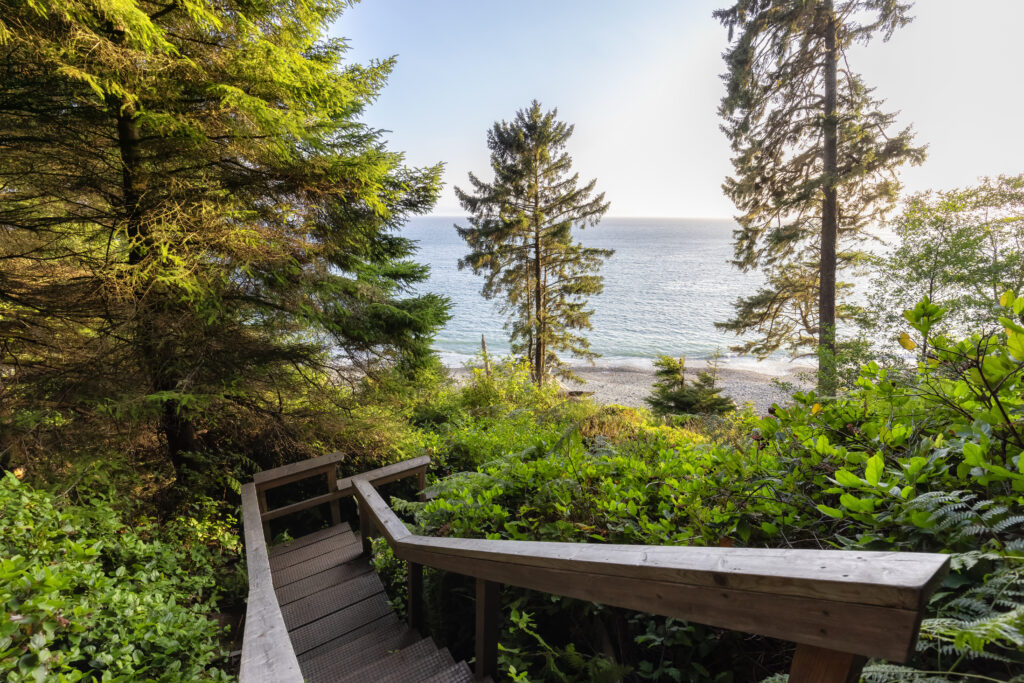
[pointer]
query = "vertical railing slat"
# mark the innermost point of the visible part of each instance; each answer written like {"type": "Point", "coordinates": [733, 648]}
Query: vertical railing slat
{"type": "Point", "coordinates": [488, 610]}
{"type": "Point", "coordinates": [415, 606]}
{"type": "Point", "coordinates": [817, 665]}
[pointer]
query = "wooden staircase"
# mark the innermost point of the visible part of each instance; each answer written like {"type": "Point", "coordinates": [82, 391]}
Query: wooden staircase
{"type": "Point", "coordinates": [317, 611]}
{"type": "Point", "coordinates": [339, 621]}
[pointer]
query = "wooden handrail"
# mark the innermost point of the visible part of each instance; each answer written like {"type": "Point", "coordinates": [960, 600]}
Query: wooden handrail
{"type": "Point", "coordinates": [286, 474]}
{"type": "Point", "coordinates": [838, 606]}
{"type": "Point", "coordinates": [338, 488]}
{"type": "Point", "coordinates": [267, 653]}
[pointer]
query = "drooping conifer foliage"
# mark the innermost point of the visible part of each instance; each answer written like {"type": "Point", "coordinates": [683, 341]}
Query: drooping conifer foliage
{"type": "Point", "coordinates": [814, 161]}
{"type": "Point", "coordinates": [195, 226]}
{"type": "Point", "coordinates": [520, 237]}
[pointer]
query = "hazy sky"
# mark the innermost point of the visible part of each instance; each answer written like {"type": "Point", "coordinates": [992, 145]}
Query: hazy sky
{"type": "Point", "coordinates": [640, 81]}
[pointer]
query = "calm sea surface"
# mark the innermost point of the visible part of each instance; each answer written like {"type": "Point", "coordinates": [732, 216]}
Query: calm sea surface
{"type": "Point", "coordinates": [666, 285]}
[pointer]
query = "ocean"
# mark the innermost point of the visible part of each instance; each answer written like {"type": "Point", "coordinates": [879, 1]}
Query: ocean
{"type": "Point", "coordinates": [666, 285]}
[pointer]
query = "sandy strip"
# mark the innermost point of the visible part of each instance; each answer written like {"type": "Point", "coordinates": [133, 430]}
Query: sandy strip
{"type": "Point", "coordinates": [629, 386]}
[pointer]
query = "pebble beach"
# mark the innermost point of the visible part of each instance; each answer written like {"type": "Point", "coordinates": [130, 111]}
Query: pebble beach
{"type": "Point", "coordinates": [629, 386]}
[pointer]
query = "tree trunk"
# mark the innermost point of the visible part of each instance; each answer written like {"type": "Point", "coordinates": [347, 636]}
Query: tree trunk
{"type": "Point", "coordinates": [487, 360]}
{"type": "Point", "coordinates": [176, 428]}
{"type": "Point", "coordinates": [829, 219]}
{"type": "Point", "coordinates": [539, 308]}
{"type": "Point", "coordinates": [541, 352]}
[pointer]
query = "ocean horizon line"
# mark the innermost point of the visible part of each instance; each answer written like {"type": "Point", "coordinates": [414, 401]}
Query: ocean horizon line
{"type": "Point", "coordinates": [604, 218]}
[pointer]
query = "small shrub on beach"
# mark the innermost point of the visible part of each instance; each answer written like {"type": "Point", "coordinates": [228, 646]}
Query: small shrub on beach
{"type": "Point", "coordinates": [672, 395]}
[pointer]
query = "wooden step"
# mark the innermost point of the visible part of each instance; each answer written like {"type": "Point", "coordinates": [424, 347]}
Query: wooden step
{"type": "Point", "coordinates": [339, 554]}
{"type": "Point", "coordinates": [319, 605]}
{"type": "Point", "coordinates": [330, 665]}
{"type": "Point", "coordinates": [302, 541]}
{"type": "Point", "coordinates": [296, 556]}
{"type": "Point", "coordinates": [459, 672]}
{"type": "Point", "coordinates": [341, 624]}
{"type": "Point", "coordinates": [351, 636]}
{"type": "Point", "coordinates": [415, 662]}
{"type": "Point", "coordinates": [322, 581]}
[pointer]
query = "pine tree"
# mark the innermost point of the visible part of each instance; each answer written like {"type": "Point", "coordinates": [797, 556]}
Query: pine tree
{"type": "Point", "coordinates": [520, 238]}
{"type": "Point", "coordinates": [814, 163]}
{"type": "Point", "coordinates": [196, 228]}
{"type": "Point", "coordinates": [673, 396]}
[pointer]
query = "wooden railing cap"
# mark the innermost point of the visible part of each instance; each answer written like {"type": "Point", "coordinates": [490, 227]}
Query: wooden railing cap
{"type": "Point", "coordinates": [866, 603]}
{"type": "Point", "coordinates": [292, 470]}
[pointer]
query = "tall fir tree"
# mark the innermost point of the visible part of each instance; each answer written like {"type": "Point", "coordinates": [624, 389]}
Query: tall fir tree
{"type": "Point", "coordinates": [814, 163]}
{"type": "Point", "coordinates": [196, 227]}
{"type": "Point", "coordinates": [520, 237]}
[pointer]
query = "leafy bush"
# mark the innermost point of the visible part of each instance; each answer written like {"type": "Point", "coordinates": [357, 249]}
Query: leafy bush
{"type": "Point", "coordinates": [920, 461]}
{"type": "Point", "coordinates": [933, 465]}
{"type": "Point", "coordinates": [87, 597]}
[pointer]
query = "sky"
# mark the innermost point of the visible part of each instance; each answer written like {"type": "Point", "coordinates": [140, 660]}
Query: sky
{"type": "Point", "coordinates": [641, 83]}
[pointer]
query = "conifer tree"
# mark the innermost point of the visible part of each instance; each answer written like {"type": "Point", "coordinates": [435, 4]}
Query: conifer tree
{"type": "Point", "coordinates": [520, 237]}
{"type": "Point", "coordinates": [196, 228]}
{"type": "Point", "coordinates": [672, 395]}
{"type": "Point", "coordinates": [814, 163]}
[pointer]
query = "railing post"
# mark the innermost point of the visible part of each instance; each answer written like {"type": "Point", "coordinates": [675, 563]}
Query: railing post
{"type": "Point", "coordinates": [416, 597]}
{"type": "Point", "coordinates": [331, 474]}
{"type": "Point", "coordinates": [817, 665]}
{"type": "Point", "coordinates": [488, 609]}
{"type": "Point", "coordinates": [421, 484]}
{"type": "Point", "coordinates": [364, 528]}
{"type": "Point", "coordinates": [261, 495]}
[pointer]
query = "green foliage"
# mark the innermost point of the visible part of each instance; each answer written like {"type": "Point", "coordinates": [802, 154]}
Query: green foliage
{"type": "Point", "coordinates": [393, 573]}
{"type": "Point", "coordinates": [520, 237]}
{"type": "Point", "coordinates": [960, 249]}
{"type": "Point", "coordinates": [487, 417]}
{"type": "Point", "coordinates": [87, 597]}
{"type": "Point", "coordinates": [673, 396]}
{"type": "Point", "coordinates": [932, 464]}
{"type": "Point", "coordinates": [558, 663]}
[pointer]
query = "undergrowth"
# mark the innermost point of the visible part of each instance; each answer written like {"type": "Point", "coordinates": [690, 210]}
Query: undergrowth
{"type": "Point", "coordinates": [87, 595]}
{"type": "Point", "coordinates": [929, 462]}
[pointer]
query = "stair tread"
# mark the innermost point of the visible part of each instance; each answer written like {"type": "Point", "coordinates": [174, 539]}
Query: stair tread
{"type": "Point", "coordinates": [330, 664]}
{"type": "Point", "coordinates": [311, 585]}
{"type": "Point", "coordinates": [325, 602]}
{"type": "Point", "coordinates": [340, 624]}
{"type": "Point", "coordinates": [301, 541]}
{"type": "Point", "coordinates": [456, 673]}
{"type": "Point", "coordinates": [304, 570]}
{"type": "Point", "coordinates": [295, 556]}
{"type": "Point", "coordinates": [414, 662]}
{"type": "Point", "coordinates": [350, 636]}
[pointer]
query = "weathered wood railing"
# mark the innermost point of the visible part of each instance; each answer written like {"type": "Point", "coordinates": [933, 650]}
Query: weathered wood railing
{"type": "Point", "coordinates": [267, 653]}
{"type": "Point", "coordinates": [839, 607]}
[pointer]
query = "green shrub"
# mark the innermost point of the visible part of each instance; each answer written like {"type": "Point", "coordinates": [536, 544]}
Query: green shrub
{"type": "Point", "coordinates": [87, 597]}
{"type": "Point", "coordinates": [673, 396]}
{"type": "Point", "coordinates": [926, 461]}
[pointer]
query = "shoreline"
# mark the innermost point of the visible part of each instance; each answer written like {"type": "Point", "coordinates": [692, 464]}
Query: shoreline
{"type": "Point", "coordinates": [628, 386]}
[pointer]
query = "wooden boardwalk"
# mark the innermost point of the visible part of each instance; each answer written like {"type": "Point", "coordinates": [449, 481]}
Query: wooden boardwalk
{"type": "Point", "coordinates": [339, 620]}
